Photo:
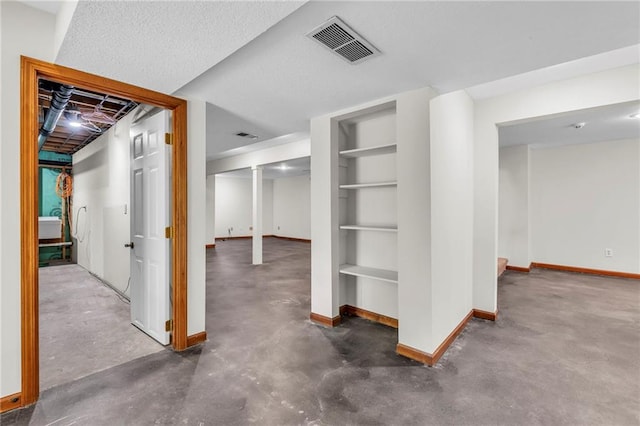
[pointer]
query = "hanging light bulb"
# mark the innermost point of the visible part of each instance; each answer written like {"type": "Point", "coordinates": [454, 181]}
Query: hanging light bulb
{"type": "Point", "coordinates": [72, 115]}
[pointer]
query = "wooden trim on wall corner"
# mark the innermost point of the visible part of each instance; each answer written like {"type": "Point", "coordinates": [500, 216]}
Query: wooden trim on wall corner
{"type": "Point", "coordinates": [414, 354]}
{"type": "Point", "coordinates": [432, 359]}
{"type": "Point", "coordinates": [518, 268]}
{"type": "Point", "coordinates": [585, 270]}
{"type": "Point", "coordinates": [197, 338]}
{"type": "Point", "coordinates": [210, 246]}
{"type": "Point", "coordinates": [10, 402]}
{"type": "Point", "coordinates": [29, 231]}
{"type": "Point", "coordinates": [326, 321]}
{"type": "Point", "coordinates": [486, 315]}
{"type": "Point", "coordinates": [354, 311]}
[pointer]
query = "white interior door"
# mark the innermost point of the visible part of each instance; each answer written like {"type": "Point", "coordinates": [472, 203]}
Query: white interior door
{"type": "Point", "coordinates": [150, 214]}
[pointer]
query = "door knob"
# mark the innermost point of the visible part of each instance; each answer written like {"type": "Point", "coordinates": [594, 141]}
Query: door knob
{"type": "Point", "coordinates": [130, 245]}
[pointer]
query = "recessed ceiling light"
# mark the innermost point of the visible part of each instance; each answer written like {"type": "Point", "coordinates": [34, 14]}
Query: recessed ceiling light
{"type": "Point", "coordinates": [636, 115]}
{"type": "Point", "coordinates": [578, 125]}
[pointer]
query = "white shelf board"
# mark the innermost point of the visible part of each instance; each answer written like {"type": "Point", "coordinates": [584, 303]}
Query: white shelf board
{"type": "Point", "coordinates": [364, 152]}
{"type": "Point", "coordinates": [364, 271]}
{"type": "Point", "coordinates": [369, 228]}
{"type": "Point", "coordinates": [368, 185]}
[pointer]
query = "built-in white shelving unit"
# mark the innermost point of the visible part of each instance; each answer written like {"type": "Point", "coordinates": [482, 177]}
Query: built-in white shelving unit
{"type": "Point", "coordinates": [363, 271]}
{"type": "Point", "coordinates": [368, 185]}
{"type": "Point", "coordinates": [365, 152]}
{"type": "Point", "coordinates": [370, 228]}
{"type": "Point", "coordinates": [368, 210]}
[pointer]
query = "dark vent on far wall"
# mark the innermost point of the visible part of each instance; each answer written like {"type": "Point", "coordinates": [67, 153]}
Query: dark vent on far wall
{"type": "Point", "coordinates": [246, 135]}
{"type": "Point", "coordinates": [342, 40]}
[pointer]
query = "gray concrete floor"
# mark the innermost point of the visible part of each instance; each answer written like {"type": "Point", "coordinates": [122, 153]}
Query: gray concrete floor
{"type": "Point", "coordinates": [85, 327]}
{"type": "Point", "coordinates": [565, 350]}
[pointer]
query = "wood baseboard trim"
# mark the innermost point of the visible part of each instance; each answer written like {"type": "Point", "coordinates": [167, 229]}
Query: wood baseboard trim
{"type": "Point", "coordinates": [491, 316]}
{"type": "Point", "coordinates": [248, 237]}
{"type": "Point", "coordinates": [354, 311]}
{"type": "Point", "coordinates": [518, 268]}
{"type": "Point", "coordinates": [210, 246]}
{"type": "Point", "coordinates": [300, 240]}
{"type": "Point", "coordinates": [326, 321]}
{"type": "Point", "coordinates": [432, 359]}
{"type": "Point", "coordinates": [414, 354]}
{"type": "Point", "coordinates": [585, 270]}
{"type": "Point", "coordinates": [10, 402]}
{"type": "Point", "coordinates": [197, 338]}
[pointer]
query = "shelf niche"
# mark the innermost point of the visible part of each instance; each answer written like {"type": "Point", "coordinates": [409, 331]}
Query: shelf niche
{"type": "Point", "coordinates": [367, 202]}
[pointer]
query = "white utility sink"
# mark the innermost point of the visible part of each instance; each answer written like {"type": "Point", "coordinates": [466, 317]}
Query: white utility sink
{"type": "Point", "coordinates": [49, 227]}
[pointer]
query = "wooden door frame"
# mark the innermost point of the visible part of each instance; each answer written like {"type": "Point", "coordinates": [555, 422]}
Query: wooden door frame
{"type": "Point", "coordinates": [30, 71]}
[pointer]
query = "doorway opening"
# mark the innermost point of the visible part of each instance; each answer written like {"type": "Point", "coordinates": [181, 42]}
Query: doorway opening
{"type": "Point", "coordinates": [85, 212]}
{"type": "Point", "coordinates": [32, 71]}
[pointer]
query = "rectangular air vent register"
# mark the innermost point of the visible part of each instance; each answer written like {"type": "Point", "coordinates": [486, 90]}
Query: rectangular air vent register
{"type": "Point", "coordinates": [338, 37]}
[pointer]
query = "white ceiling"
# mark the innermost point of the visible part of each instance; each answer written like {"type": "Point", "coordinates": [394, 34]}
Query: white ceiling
{"type": "Point", "coordinates": [253, 62]}
{"type": "Point", "coordinates": [222, 130]}
{"type": "Point", "coordinates": [606, 123]}
{"type": "Point", "coordinates": [282, 169]}
{"type": "Point", "coordinates": [162, 45]}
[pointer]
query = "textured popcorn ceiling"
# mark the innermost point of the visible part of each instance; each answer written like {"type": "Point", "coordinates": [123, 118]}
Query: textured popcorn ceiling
{"type": "Point", "coordinates": [162, 45]}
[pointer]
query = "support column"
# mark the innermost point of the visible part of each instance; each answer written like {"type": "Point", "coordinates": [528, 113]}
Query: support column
{"type": "Point", "coordinates": [257, 215]}
{"type": "Point", "coordinates": [210, 211]}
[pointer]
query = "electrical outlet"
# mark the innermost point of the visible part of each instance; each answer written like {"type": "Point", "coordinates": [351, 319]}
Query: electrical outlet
{"type": "Point", "coordinates": [278, 228]}
{"type": "Point", "coordinates": [608, 252]}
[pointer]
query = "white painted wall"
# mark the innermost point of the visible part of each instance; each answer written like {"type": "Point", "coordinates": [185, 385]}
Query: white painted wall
{"type": "Point", "coordinates": [234, 206]}
{"type": "Point", "coordinates": [292, 207]}
{"type": "Point", "coordinates": [210, 210]}
{"type": "Point", "coordinates": [513, 215]}
{"type": "Point", "coordinates": [451, 117]}
{"type": "Point", "coordinates": [585, 198]}
{"type": "Point", "coordinates": [24, 31]}
{"type": "Point", "coordinates": [101, 178]}
{"type": "Point", "coordinates": [325, 291]}
{"type": "Point", "coordinates": [414, 219]}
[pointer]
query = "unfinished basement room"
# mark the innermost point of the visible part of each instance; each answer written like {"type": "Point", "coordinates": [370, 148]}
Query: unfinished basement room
{"type": "Point", "coordinates": [320, 213]}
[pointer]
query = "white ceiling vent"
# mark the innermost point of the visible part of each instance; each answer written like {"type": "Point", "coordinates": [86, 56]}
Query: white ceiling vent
{"type": "Point", "coordinates": [342, 40]}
